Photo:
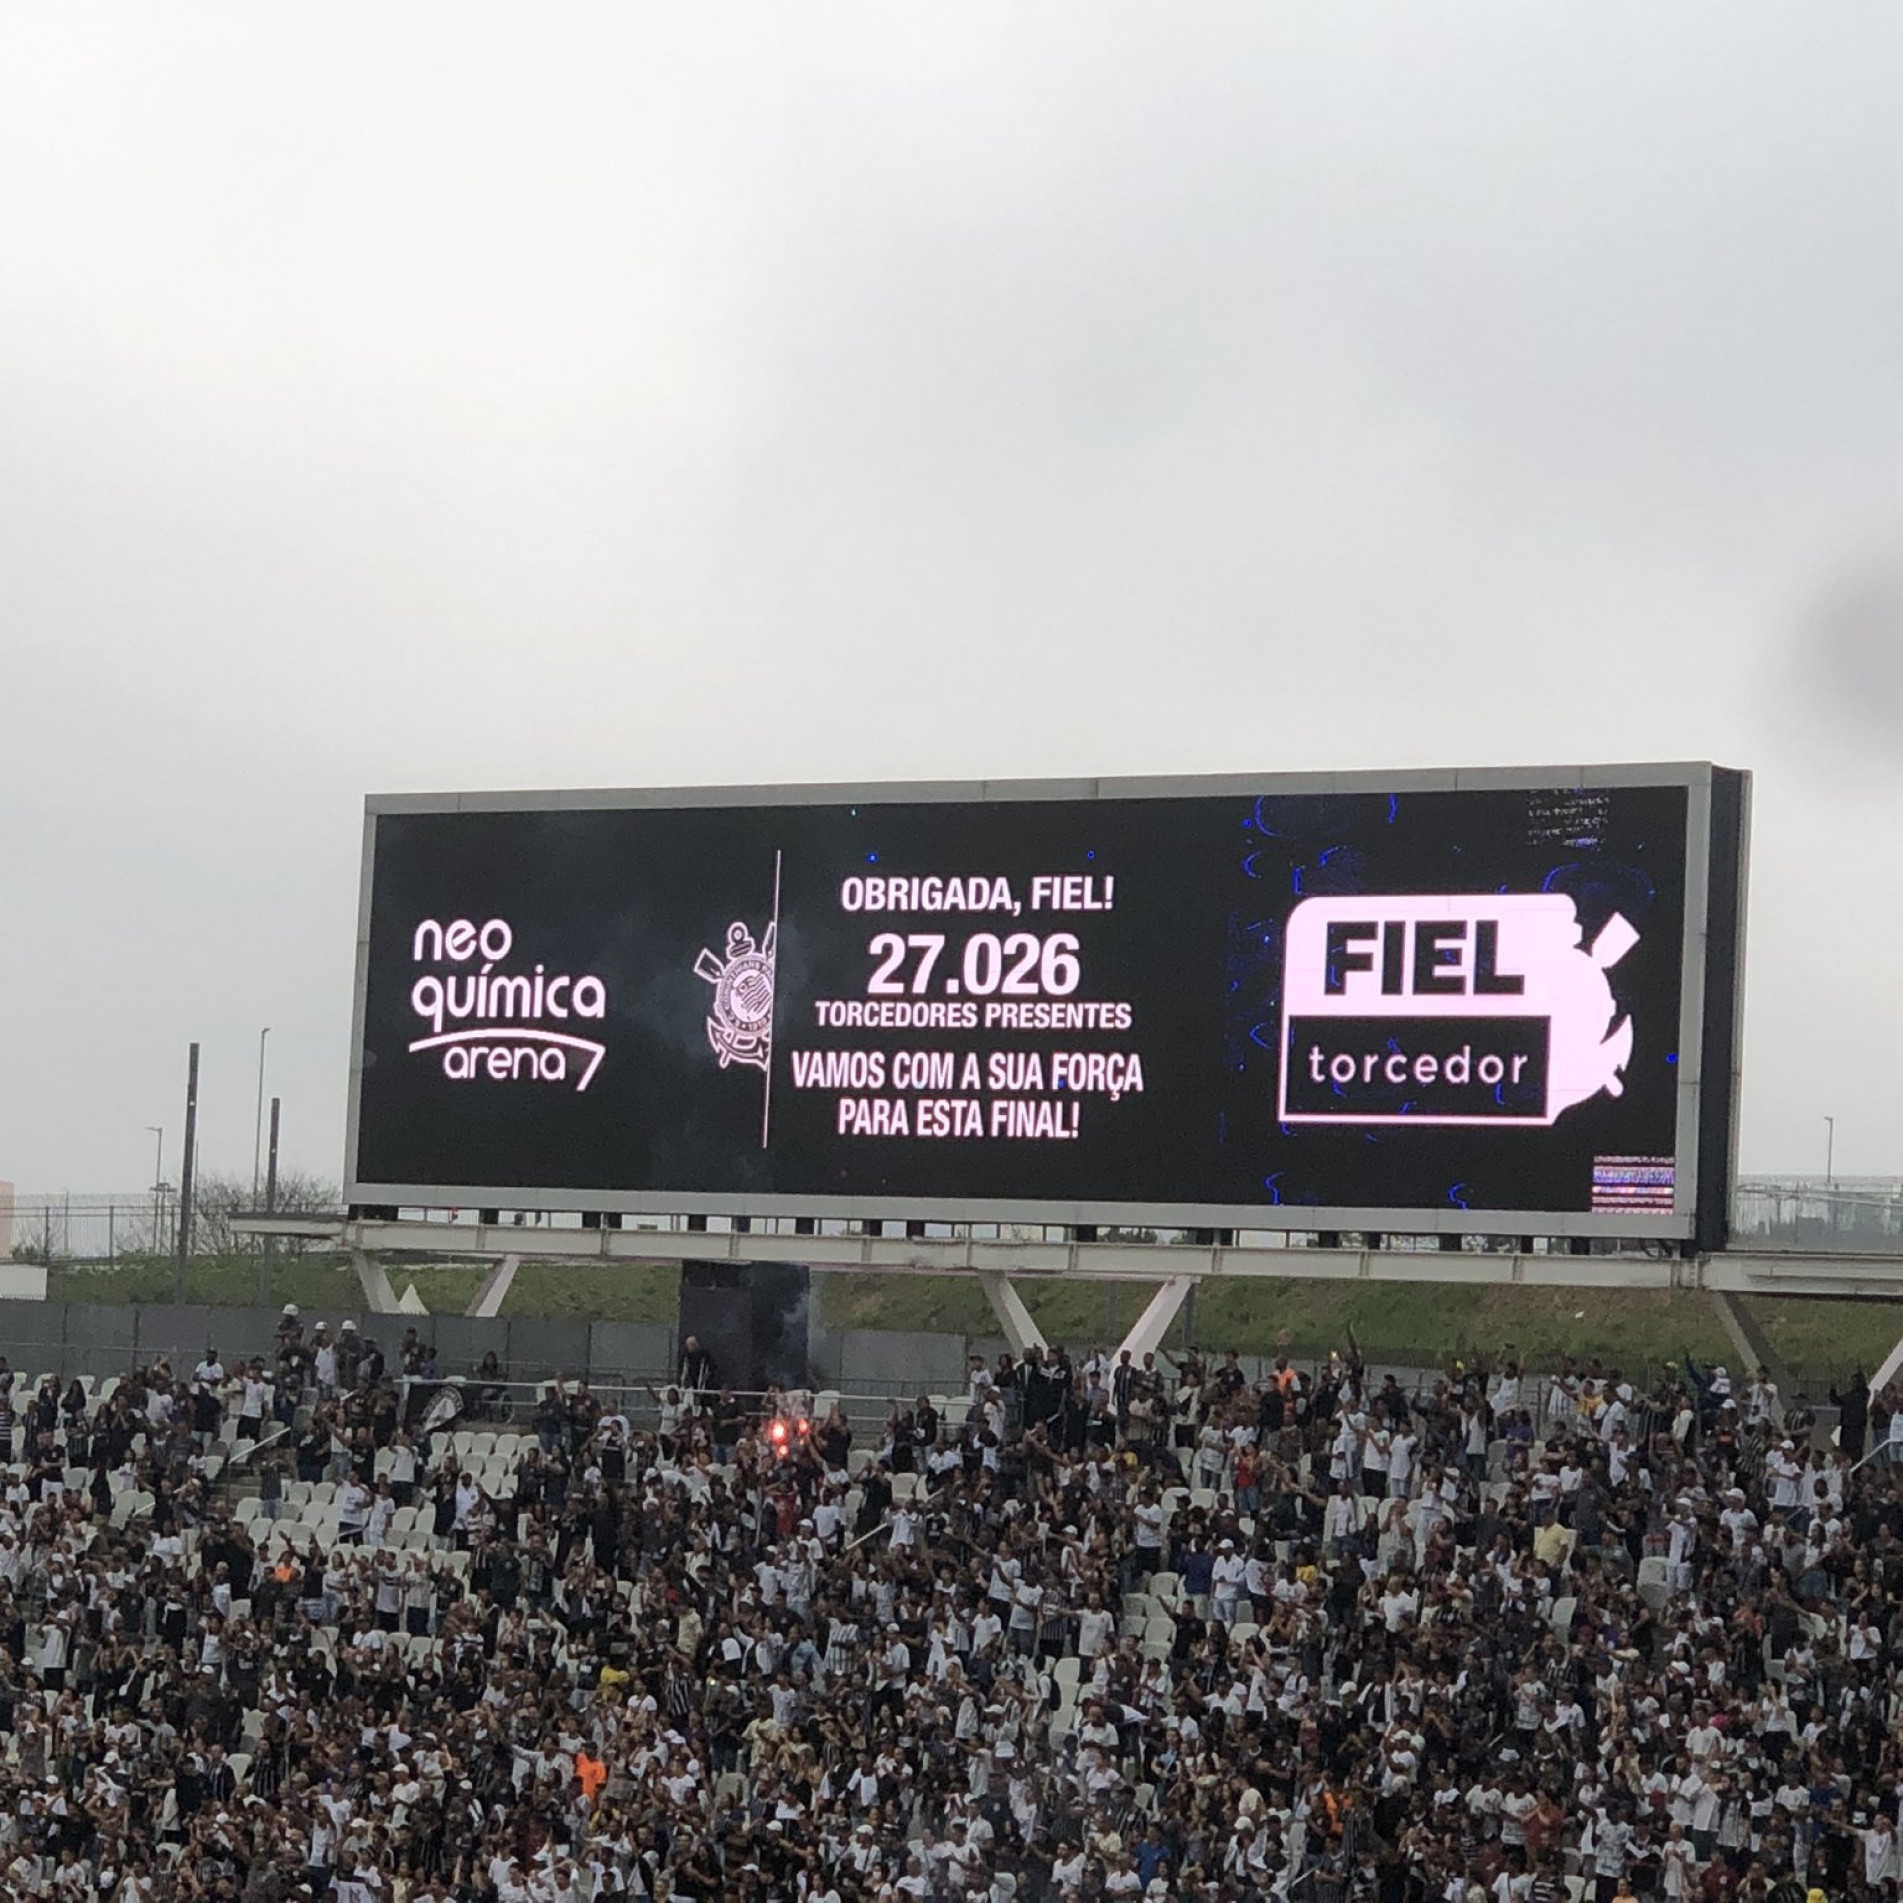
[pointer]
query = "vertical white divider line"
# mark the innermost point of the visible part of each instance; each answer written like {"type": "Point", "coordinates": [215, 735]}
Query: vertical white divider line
{"type": "Point", "coordinates": [766, 1107]}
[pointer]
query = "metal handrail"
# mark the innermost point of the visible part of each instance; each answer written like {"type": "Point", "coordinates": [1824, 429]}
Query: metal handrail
{"type": "Point", "coordinates": [1859, 1465]}
{"type": "Point", "coordinates": [639, 1398]}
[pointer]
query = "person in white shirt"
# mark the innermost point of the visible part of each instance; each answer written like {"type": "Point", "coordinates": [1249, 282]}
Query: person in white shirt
{"type": "Point", "coordinates": [1258, 1582]}
{"type": "Point", "coordinates": [1785, 1471]}
{"type": "Point", "coordinates": [1678, 1865]}
{"type": "Point", "coordinates": [1760, 1400]}
{"type": "Point", "coordinates": [986, 1629]}
{"type": "Point", "coordinates": [1879, 1854]}
{"type": "Point", "coordinates": [324, 1363]}
{"type": "Point", "coordinates": [353, 1509]}
{"type": "Point", "coordinates": [1375, 1441]}
{"type": "Point", "coordinates": [1344, 1451]}
{"type": "Point", "coordinates": [1341, 1518]}
{"type": "Point", "coordinates": [1096, 1628]}
{"type": "Point", "coordinates": [828, 1520]}
{"type": "Point", "coordinates": [376, 1530]}
{"type": "Point", "coordinates": [1212, 1453]}
{"type": "Point", "coordinates": [1027, 1603]}
{"type": "Point", "coordinates": [1399, 1605]}
{"type": "Point", "coordinates": [256, 1402]}
{"type": "Point", "coordinates": [1562, 1398]}
{"type": "Point", "coordinates": [1149, 1535]}
{"type": "Point", "coordinates": [1618, 1460]}
{"type": "Point", "coordinates": [1225, 1583]}
{"type": "Point", "coordinates": [1737, 1519]}
{"type": "Point", "coordinates": [1401, 1446]}
{"type": "Point", "coordinates": [403, 1470]}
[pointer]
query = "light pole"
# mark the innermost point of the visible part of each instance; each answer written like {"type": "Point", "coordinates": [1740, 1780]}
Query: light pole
{"type": "Point", "coordinates": [257, 1129]}
{"type": "Point", "coordinates": [158, 1178]}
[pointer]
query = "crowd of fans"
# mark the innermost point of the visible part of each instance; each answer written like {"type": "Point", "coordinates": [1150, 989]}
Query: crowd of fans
{"type": "Point", "coordinates": [1103, 1627]}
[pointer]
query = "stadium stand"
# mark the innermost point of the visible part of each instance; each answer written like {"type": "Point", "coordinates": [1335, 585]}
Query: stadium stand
{"type": "Point", "coordinates": [1082, 1631]}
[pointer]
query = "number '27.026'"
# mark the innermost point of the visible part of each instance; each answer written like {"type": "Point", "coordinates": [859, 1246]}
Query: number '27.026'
{"type": "Point", "coordinates": [1020, 966]}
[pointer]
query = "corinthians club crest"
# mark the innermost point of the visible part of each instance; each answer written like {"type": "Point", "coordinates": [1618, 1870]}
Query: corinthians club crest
{"type": "Point", "coordinates": [740, 1023]}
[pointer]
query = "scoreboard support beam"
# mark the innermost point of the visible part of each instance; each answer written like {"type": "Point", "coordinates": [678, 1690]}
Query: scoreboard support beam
{"type": "Point", "coordinates": [1021, 1331]}
{"type": "Point", "coordinates": [1013, 1260]}
{"type": "Point", "coordinates": [1754, 1351]}
{"type": "Point", "coordinates": [376, 1283]}
{"type": "Point", "coordinates": [1154, 1323]}
{"type": "Point", "coordinates": [495, 1286]}
{"type": "Point", "coordinates": [1892, 1366]}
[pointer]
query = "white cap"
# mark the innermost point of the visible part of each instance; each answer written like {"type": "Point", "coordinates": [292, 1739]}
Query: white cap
{"type": "Point", "coordinates": [290, 1308]}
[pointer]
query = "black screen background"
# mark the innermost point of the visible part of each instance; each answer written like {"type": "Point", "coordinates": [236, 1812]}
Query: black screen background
{"type": "Point", "coordinates": [1203, 887]}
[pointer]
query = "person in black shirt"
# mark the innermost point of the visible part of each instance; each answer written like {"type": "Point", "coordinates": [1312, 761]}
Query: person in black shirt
{"type": "Point", "coordinates": [875, 1499]}
{"type": "Point", "coordinates": [1853, 1419]}
{"type": "Point", "coordinates": [697, 1371]}
{"type": "Point", "coordinates": [1125, 1386]}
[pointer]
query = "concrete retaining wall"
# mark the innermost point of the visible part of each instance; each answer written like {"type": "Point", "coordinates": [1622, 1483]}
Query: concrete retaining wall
{"type": "Point", "coordinates": [69, 1338]}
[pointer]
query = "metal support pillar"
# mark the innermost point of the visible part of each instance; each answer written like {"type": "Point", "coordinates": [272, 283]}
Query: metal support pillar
{"type": "Point", "coordinates": [1020, 1331]}
{"type": "Point", "coordinates": [376, 1284]}
{"type": "Point", "coordinates": [1154, 1323]}
{"type": "Point", "coordinates": [1892, 1364]}
{"type": "Point", "coordinates": [495, 1285]}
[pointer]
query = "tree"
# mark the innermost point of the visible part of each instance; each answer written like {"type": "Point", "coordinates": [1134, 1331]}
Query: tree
{"type": "Point", "coordinates": [217, 1198]}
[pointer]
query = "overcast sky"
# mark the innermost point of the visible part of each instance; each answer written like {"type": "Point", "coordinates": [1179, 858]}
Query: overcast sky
{"type": "Point", "coordinates": [396, 397]}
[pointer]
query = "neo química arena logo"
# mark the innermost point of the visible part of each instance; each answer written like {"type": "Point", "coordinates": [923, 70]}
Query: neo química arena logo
{"type": "Point", "coordinates": [1449, 1009]}
{"type": "Point", "coordinates": [486, 1023]}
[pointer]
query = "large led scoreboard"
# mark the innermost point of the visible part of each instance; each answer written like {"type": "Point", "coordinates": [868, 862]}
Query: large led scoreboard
{"type": "Point", "coordinates": [1503, 1001]}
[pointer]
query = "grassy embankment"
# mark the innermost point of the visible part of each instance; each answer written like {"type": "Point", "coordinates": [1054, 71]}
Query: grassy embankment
{"type": "Point", "coordinates": [1402, 1322]}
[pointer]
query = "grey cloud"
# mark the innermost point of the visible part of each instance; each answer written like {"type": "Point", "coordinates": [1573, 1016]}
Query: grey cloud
{"type": "Point", "coordinates": [460, 395]}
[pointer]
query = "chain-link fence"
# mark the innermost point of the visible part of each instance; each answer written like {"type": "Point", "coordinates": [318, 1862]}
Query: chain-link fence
{"type": "Point", "coordinates": [1842, 1214]}
{"type": "Point", "coordinates": [88, 1228]}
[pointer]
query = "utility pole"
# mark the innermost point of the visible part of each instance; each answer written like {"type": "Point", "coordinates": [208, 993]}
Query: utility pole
{"type": "Point", "coordinates": [187, 1174]}
{"type": "Point", "coordinates": [257, 1128]}
{"type": "Point", "coordinates": [270, 1203]}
